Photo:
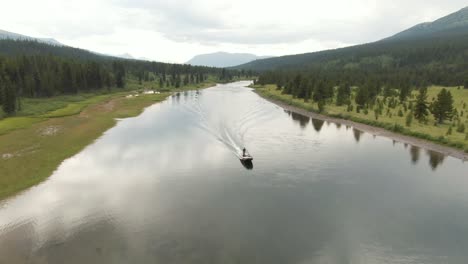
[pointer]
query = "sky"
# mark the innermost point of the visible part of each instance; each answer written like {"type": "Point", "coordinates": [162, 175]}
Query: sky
{"type": "Point", "coordinates": [177, 30]}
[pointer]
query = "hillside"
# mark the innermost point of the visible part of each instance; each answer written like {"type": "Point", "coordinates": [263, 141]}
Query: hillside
{"type": "Point", "coordinates": [385, 83]}
{"type": "Point", "coordinates": [457, 21]}
{"type": "Point", "coordinates": [29, 47]}
{"type": "Point", "coordinates": [32, 69]}
{"type": "Point", "coordinates": [223, 59]}
{"type": "Point", "coordinates": [15, 36]}
{"type": "Point", "coordinates": [439, 44]}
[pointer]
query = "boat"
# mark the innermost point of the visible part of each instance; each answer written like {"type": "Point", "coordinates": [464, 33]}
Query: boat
{"type": "Point", "coordinates": [246, 156]}
{"type": "Point", "coordinates": [248, 164]}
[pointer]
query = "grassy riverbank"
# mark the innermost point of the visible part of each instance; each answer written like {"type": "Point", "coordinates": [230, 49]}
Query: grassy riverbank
{"type": "Point", "coordinates": [48, 131]}
{"type": "Point", "coordinates": [393, 120]}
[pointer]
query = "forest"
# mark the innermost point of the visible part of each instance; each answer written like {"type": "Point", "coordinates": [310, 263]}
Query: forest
{"type": "Point", "coordinates": [415, 85]}
{"type": "Point", "coordinates": [391, 67]}
{"type": "Point", "coordinates": [33, 70]}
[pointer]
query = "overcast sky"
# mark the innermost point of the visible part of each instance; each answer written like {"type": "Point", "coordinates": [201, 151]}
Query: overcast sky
{"type": "Point", "coordinates": [176, 30]}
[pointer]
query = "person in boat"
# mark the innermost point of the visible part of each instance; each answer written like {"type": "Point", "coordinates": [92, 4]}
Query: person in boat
{"type": "Point", "coordinates": [243, 152]}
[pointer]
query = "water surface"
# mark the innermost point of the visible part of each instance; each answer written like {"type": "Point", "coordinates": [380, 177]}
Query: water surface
{"type": "Point", "coordinates": [167, 187]}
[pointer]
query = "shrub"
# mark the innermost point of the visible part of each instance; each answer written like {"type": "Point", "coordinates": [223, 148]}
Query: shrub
{"type": "Point", "coordinates": [449, 131]}
{"type": "Point", "coordinates": [398, 128]}
{"type": "Point", "coordinates": [461, 127]}
{"type": "Point", "coordinates": [400, 113]}
{"type": "Point", "coordinates": [321, 106]}
{"type": "Point", "coordinates": [409, 119]}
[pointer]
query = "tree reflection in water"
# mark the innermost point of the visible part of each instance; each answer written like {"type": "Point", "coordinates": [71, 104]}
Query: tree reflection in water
{"type": "Point", "coordinates": [318, 124]}
{"type": "Point", "coordinates": [435, 159]}
{"type": "Point", "coordinates": [357, 134]}
{"type": "Point", "coordinates": [415, 154]}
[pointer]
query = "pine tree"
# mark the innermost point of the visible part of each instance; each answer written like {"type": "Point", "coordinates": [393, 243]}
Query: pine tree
{"type": "Point", "coordinates": [329, 90]}
{"type": "Point", "coordinates": [224, 75]}
{"type": "Point", "coordinates": [67, 79]}
{"type": "Point", "coordinates": [442, 108]}
{"type": "Point", "coordinates": [161, 82]}
{"type": "Point", "coordinates": [409, 119]}
{"type": "Point", "coordinates": [343, 93]}
{"type": "Point", "coordinates": [2, 88]}
{"type": "Point", "coordinates": [319, 92]}
{"type": "Point", "coordinates": [461, 127]}
{"type": "Point", "coordinates": [404, 92]}
{"type": "Point", "coordinates": [8, 96]}
{"type": "Point", "coordinates": [362, 96]}
{"type": "Point", "coordinates": [321, 106]}
{"type": "Point", "coordinates": [449, 131]}
{"type": "Point", "coordinates": [119, 73]}
{"type": "Point", "coordinates": [177, 81]}
{"type": "Point", "coordinates": [421, 108]}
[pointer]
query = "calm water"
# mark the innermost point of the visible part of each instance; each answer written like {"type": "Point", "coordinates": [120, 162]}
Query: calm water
{"type": "Point", "coordinates": [167, 187]}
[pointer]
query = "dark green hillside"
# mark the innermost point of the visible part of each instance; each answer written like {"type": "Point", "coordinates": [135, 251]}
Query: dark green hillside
{"type": "Point", "coordinates": [384, 83]}
{"type": "Point", "coordinates": [13, 48]}
{"type": "Point", "coordinates": [438, 56]}
{"type": "Point", "coordinates": [447, 47]}
{"type": "Point", "coordinates": [457, 21]}
{"type": "Point", "coordinates": [33, 69]}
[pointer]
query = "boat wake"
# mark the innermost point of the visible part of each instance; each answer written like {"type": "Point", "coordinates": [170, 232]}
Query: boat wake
{"type": "Point", "coordinates": [229, 119]}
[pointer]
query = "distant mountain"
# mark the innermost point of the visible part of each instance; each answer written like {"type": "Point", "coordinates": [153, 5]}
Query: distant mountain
{"type": "Point", "coordinates": [15, 36]}
{"type": "Point", "coordinates": [440, 42]}
{"type": "Point", "coordinates": [127, 56]}
{"type": "Point", "coordinates": [453, 22]}
{"type": "Point", "coordinates": [223, 59]}
{"type": "Point", "coordinates": [144, 59]}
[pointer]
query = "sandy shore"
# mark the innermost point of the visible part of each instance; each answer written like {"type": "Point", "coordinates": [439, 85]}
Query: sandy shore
{"type": "Point", "coordinates": [377, 131]}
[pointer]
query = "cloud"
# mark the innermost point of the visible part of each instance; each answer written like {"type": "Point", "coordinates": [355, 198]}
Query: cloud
{"type": "Point", "coordinates": [268, 22]}
{"type": "Point", "coordinates": [262, 22]}
{"type": "Point", "coordinates": [175, 30]}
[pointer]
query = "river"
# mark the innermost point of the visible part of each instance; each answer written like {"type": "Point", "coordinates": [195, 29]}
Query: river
{"type": "Point", "coordinates": [167, 187]}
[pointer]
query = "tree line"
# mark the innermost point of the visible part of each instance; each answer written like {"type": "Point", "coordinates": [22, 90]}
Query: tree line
{"type": "Point", "coordinates": [439, 59]}
{"type": "Point", "coordinates": [32, 69]}
{"type": "Point", "coordinates": [388, 68]}
{"type": "Point", "coordinates": [370, 94]}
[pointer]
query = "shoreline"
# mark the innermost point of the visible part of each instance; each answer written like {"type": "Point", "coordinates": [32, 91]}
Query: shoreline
{"type": "Point", "coordinates": [376, 131]}
{"type": "Point", "coordinates": [46, 144]}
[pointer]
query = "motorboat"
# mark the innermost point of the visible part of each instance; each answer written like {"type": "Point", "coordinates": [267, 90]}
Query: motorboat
{"type": "Point", "coordinates": [245, 156]}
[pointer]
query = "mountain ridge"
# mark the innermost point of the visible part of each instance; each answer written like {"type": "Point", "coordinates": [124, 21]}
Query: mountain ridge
{"type": "Point", "coordinates": [16, 36]}
{"type": "Point", "coordinates": [453, 27]}
{"type": "Point", "coordinates": [223, 59]}
{"type": "Point", "coordinates": [457, 20]}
